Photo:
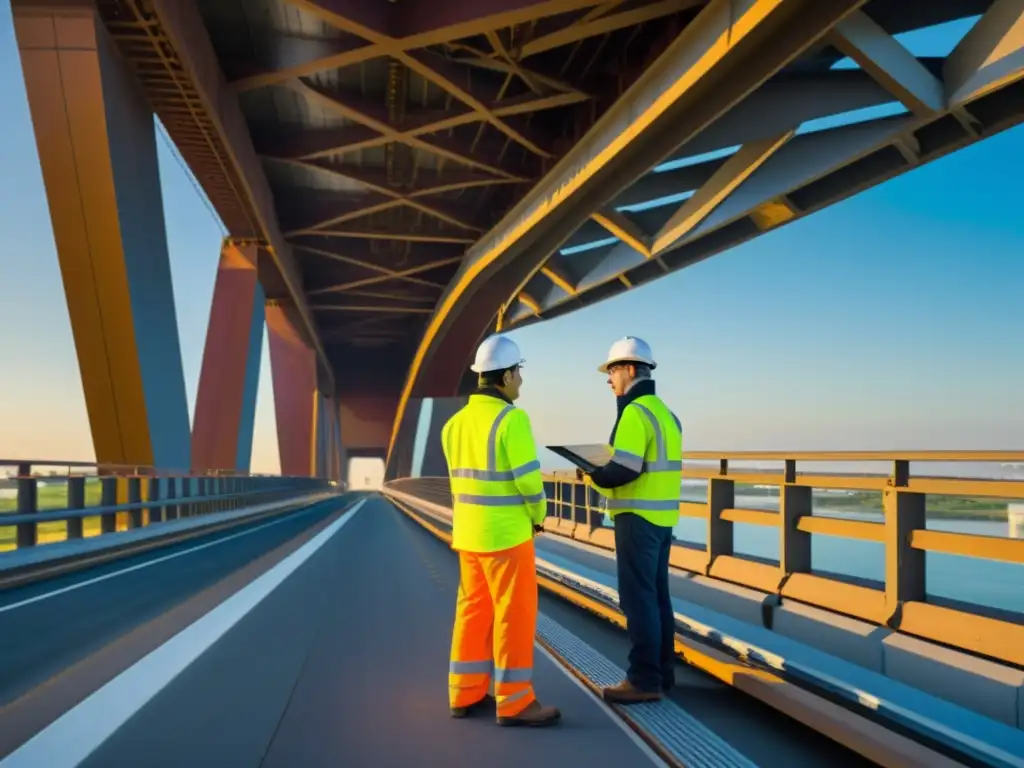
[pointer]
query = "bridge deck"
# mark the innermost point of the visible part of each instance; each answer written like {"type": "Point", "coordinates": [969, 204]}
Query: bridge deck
{"type": "Point", "coordinates": [344, 662]}
{"type": "Point", "coordinates": [358, 679]}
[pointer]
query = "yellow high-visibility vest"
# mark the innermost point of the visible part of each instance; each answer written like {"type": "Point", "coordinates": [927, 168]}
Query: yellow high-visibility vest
{"type": "Point", "coordinates": [497, 489]}
{"type": "Point", "coordinates": [648, 439]}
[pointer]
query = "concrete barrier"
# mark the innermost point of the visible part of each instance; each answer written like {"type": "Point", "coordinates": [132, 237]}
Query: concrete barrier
{"type": "Point", "coordinates": [856, 641]}
{"type": "Point", "coordinates": [732, 600]}
{"type": "Point", "coordinates": [988, 688]}
{"type": "Point", "coordinates": [991, 689]}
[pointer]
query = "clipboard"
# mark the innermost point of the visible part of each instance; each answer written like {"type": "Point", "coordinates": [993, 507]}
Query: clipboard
{"type": "Point", "coordinates": [586, 457]}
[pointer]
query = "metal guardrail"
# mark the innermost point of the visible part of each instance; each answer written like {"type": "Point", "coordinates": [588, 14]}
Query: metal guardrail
{"type": "Point", "coordinates": [900, 603]}
{"type": "Point", "coordinates": [94, 499]}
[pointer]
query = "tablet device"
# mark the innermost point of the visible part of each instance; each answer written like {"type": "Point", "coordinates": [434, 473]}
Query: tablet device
{"type": "Point", "coordinates": [586, 457]}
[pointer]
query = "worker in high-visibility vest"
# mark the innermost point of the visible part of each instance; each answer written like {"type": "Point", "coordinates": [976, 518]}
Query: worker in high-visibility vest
{"type": "Point", "coordinates": [498, 505]}
{"type": "Point", "coordinates": [641, 489]}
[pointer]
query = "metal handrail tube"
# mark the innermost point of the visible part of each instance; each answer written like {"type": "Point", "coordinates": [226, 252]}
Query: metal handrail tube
{"type": "Point", "coordinates": [69, 514]}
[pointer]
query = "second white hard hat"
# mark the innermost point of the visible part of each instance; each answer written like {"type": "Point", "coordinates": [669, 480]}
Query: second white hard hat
{"type": "Point", "coordinates": [496, 353]}
{"type": "Point", "coordinates": [628, 350]}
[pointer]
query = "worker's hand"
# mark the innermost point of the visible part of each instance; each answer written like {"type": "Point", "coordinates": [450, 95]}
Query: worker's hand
{"type": "Point", "coordinates": [538, 529]}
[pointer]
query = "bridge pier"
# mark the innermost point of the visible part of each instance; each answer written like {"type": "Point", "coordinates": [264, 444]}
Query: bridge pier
{"type": "Point", "coordinates": [365, 421]}
{"type": "Point", "coordinates": [97, 147]}
{"type": "Point", "coordinates": [431, 460]}
{"type": "Point", "coordinates": [298, 403]}
{"type": "Point", "coordinates": [226, 400]}
{"type": "Point", "coordinates": [417, 448]}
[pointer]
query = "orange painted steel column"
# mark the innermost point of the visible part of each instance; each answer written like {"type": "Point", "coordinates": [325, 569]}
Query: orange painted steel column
{"type": "Point", "coordinates": [226, 401]}
{"type": "Point", "coordinates": [97, 148]}
{"type": "Point", "coordinates": [293, 369]}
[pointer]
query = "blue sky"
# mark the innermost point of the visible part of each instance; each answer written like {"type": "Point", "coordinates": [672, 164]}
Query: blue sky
{"type": "Point", "coordinates": [892, 320]}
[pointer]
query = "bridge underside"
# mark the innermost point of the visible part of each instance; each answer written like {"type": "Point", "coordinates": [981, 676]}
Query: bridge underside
{"type": "Point", "coordinates": [395, 178]}
{"type": "Point", "coordinates": [722, 144]}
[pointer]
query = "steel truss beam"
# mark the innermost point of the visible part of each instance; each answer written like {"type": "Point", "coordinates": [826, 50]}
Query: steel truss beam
{"type": "Point", "coordinates": [174, 31]}
{"type": "Point", "coordinates": [769, 182]}
{"type": "Point", "coordinates": [413, 27]}
{"type": "Point", "coordinates": [724, 54]}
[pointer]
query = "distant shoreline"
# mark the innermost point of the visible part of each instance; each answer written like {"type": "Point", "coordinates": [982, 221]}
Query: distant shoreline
{"type": "Point", "coordinates": [870, 502]}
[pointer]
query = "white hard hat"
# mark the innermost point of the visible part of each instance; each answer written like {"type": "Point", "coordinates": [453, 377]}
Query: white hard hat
{"type": "Point", "coordinates": [496, 354]}
{"type": "Point", "coordinates": [628, 350]}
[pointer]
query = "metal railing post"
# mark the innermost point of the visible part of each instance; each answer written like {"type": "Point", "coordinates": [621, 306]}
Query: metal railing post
{"type": "Point", "coordinates": [108, 498]}
{"type": "Point", "coordinates": [593, 510]}
{"type": "Point", "coordinates": [795, 501]}
{"type": "Point", "coordinates": [185, 508]}
{"type": "Point", "coordinates": [134, 497]}
{"type": "Point", "coordinates": [171, 511]}
{"type": "Point", "coordinates": [76, 500]}
{"type": "Point", "coordinates": [27, 534]}
{"type": "Point", "coordinates": [156, 514]}
{"type": "Point", "coordinates": [904, 565]}
{"type": "Point", "coordinates": [721, 496]}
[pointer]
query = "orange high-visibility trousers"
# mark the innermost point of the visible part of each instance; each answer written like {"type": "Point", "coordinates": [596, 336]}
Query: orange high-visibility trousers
{"type": "Point", "coordinates": [495, 627]}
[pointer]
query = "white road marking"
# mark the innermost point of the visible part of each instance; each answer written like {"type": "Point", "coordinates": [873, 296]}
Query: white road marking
{"type": "Point", "coordinates": [642, 745]}
{"type": "Point", "coordinates": [80, 731]}
{"type": "Point", "coordinates": [148, 563]}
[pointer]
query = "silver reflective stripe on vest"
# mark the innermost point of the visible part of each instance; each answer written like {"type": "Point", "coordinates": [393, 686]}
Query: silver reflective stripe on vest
{"type": "Point", "coordinates": [493, 473]}
{"type": "Point", "coordinates": [492, 440]}
{"type": "Point", "coordinates": [628, 460]}
{"type": "Point", "coordinates": [661, 463]}
{"type": "Point", "coordinates": [497, 501]}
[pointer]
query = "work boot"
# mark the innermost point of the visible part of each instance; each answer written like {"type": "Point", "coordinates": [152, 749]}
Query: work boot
{"type": "Point", "coordinates": [534, 716]}
{"type": "Point", "coordinates": [627, 693]}
{"type": "Point", "coordinates": [487, 702]}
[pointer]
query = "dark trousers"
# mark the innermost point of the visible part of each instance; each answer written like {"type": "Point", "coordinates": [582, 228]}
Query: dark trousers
{"type": "Point", "coordinates": [641, 553]}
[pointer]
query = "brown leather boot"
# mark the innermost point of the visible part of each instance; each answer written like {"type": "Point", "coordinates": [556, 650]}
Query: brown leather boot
{"type": "Point", "coordinates": [627, 693]}
{"type": "Point", "coordinates": [534, 716]}
{"type": "Point", "coordinates": [486, 703]}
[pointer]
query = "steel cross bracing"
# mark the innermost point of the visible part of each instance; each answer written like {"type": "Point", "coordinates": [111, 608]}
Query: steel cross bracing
{"type": "Point", "coordinates": [731, 55]}
{"type": "Point", "coordinates": [796, 145]}
{"type": "Point", "coordinates": [365, 146]}
{"type": "Point", "coordinates": [395, 135]}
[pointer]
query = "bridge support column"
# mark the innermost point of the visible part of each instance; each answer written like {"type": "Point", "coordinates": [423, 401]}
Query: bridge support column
{"type": "Point", "coordinates": [226, 400]}
{"type": "Point", "coordinates": [97, 148]}
{"type": "Point", "coordinates": [417, 451]}
{"type": "Point", "coordinates": [327, 438]}
{"type": "Point", "coordinates": [432, 462]}
{"type": "Point", "coordinates": [400, 459]}
{"type": "Point", "coordinates": [296, 398]}
{"type": "Point", "coordinates": [365, 421]}
{"type": "Point", "coordinates": [339, 455]}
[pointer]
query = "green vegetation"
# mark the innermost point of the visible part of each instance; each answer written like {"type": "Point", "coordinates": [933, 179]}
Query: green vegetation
{"type": "Point", "coordinates": [940, 507]}
{"type": "Point", "coordinates": [52, 496]}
